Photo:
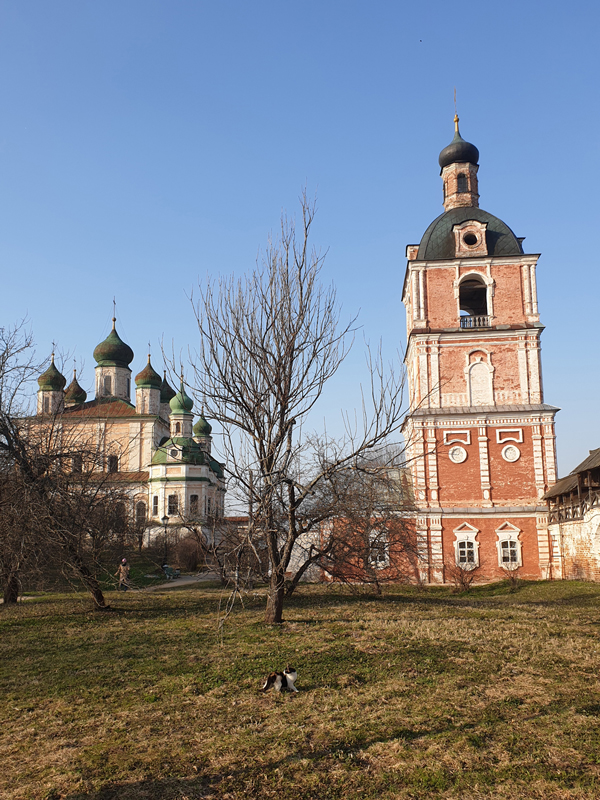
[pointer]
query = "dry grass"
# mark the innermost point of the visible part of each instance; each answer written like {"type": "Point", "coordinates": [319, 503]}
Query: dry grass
{"type": "Point", "coordinates": [416, 695]}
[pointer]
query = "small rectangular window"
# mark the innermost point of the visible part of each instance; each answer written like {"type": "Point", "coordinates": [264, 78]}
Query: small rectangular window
{"type": "Point", "coordinates": [509, 552]}
{"type": "Point", "coordinates": [155, 506]}
{"type": "Point", "coordinates": [76, 463]}
{"type": "Point", "coordinates": [193, 504]}
{"type": "Point", "coordinates": [107, 385]}
{"type": "Point", "coordinates": [113, 463]}
{"type": "Point", "coordinates": [466, 553]}
{"type": "Point", "coordinates": [173, 505]}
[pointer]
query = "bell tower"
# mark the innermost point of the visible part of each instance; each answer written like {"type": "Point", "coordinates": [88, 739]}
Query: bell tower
{"type": "Point", "coordinates": [480, 439]}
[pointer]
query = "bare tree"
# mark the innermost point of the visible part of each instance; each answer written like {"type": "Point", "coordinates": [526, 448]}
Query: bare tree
{"type": "Point", "coordinates": [269, 343]}
{"type": "Point", "coordinates": [58, 507]}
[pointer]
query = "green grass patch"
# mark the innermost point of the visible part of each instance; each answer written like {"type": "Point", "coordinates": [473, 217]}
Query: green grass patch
{"type": "Point", "coordinates": [419, 694]}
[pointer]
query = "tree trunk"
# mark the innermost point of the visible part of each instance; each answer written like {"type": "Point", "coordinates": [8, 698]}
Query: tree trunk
{"type": "Point", "coordinates": [11, 590]}
{"type": "Point", "coordinates": [274, 610]}
{"type": "Point", "coordinates": [89, 580]}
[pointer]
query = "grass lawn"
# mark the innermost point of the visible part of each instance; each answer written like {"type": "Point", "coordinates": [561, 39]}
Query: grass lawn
{"type": "Point", "coordinates": [416, 695]}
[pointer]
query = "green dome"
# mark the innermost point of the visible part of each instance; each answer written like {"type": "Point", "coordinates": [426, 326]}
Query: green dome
{"type": "Point", "coordinates": [75, 394]}
{"type": "Point", "coordinates": [202, 427]}
{"type": "Point", "coordinates": [113, 352]}
{"type": "Point", "coordinates": [167, 393]}
{"type": "Point", "coordinates": [181, 403]}
{"type": "Point", "coordinates": [52, 380]}
{"type": "Point", "coordinates": [148, 377]}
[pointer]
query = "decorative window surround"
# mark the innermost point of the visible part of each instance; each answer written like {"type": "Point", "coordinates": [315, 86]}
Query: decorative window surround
{"type": "Point", "coordinates": [466, 546]}
{"type": "Point", "coordinates": [462, 436]}
{"type": "Point", "coordinates": [508, 546]}
{"type": "Point", "coordinates": [509, 435]}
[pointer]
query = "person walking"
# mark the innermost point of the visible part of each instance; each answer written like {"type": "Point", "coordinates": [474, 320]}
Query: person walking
{"type": "Point", "coordinates": [123, 574]}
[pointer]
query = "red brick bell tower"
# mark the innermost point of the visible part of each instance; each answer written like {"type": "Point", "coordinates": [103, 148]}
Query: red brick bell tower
{"type": "Point", "coordinates": [480, 439]}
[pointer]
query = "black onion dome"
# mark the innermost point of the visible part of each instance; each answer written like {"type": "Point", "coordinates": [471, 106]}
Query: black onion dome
{"type": "Point", "coordinates": [52, 380]}
{"type": "Point", "coordinates": [148, 377]}
{"type": "Point", "coordinates": [458, 151]}
{"type": "Point", "coordinates": [167, 393]}
{"type": "Point", "coordinates": [74, 393]}
{"type": "Point", "coordinates": [113, 352]}
{"type": "Point", "coordinates": [438, 241]}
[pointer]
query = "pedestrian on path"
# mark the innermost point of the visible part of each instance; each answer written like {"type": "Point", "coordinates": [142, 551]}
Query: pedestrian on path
{"type": "Point", "coordinates": [123, 573]}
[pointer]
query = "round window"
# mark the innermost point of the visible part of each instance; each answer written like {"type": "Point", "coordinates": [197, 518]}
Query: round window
{"type": "Point", "coordinates": [174, 453]}
{"type": "Point", "coordinates": [457, 454]}
{"type": "Point", "coordinates": [470, 239]}
{"type": "Point", "coordinates": [511, 453]}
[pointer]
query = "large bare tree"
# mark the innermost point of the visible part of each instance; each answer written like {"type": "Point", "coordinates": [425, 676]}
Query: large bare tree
{"type": "Point", "coordinates": [269, 344]}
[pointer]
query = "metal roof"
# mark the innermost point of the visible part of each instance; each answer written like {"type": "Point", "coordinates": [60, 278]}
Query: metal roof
{"type": "Point", "coordinates": [438, 241]}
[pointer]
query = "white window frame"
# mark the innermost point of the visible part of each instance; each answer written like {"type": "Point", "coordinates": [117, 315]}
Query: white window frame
{"type": "Point", "coordinates": [466, 533]}
{"type": "Point", "coordinates": [507, 532]}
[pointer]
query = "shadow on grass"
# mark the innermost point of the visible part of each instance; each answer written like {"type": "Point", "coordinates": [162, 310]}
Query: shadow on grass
{"type": "Point", "coordinates": [339, 764]}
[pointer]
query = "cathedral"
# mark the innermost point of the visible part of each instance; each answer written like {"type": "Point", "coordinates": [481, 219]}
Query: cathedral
{"type": "Point", "coordinates": [479, 437]}
{"type": "Point", "coordinates": [153, 449]}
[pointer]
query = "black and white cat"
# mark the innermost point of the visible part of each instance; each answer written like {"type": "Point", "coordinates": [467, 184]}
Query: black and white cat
{"type": "Point", "coordinates": [281, 681]}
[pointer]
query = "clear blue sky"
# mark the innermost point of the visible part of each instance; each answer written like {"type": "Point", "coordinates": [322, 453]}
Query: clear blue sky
{"type": "Point", "coordinates": [144, 143]}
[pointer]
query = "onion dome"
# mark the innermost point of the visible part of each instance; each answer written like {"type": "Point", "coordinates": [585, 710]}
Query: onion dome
{"type": "Point", "coordinates": [148, 377]}
{"type": "Point", "coordinates": [52, 380]}
{"type": "Point", "coordinates": [458, 151]}
{"type": "Point", "coordinates": [113, 352]}
{"type": "Point", "coordinates": [202, 427]}
{"type": "Point", "coordinates": [74, 394]}
{"type": "Point", "coordinates": [167, 393]}
{"type": "Point", "coordinates": [181, 403]}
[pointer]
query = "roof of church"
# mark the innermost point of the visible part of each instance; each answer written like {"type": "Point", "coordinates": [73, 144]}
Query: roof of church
{"type": "Point", "coordinates": [458, 151]}
{"type": "Point", "coordinates": [113, 352]}
{"type": "Point", "coordinates": [52, 380]}
{"type": "Point", "coordinates": [438, 240]}
{"type": "Point", "coordinates": [103, 407]}
{"type": "Point", "coordinates": [148, 377]}
{"type": "Point", "coordinates": [191, 453]}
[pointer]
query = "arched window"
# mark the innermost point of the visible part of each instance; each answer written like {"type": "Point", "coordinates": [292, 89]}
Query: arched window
{"type": "Point", "coordinates": [462, 185]}
{"type": "Point", "coordinates": [473, 302]}
{"type": "Point", "coordinates": [473, 297]}
{"type": "Point", "coordinates": [177, 427]}
{"type": "Point", "coordinates": [140, 514]}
